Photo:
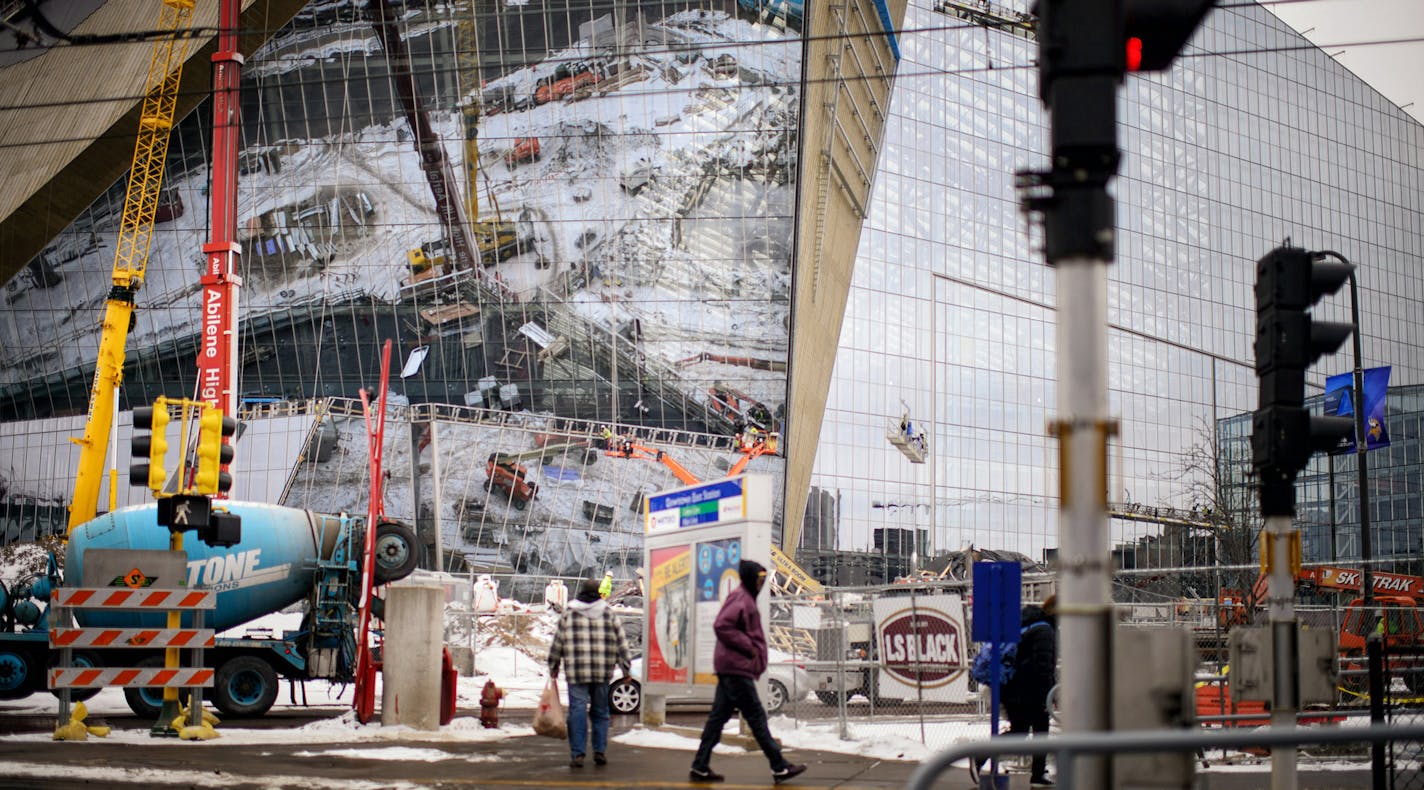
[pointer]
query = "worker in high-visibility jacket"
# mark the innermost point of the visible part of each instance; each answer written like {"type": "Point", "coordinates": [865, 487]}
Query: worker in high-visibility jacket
{"type": "Point", "coordinates": [605, 588]}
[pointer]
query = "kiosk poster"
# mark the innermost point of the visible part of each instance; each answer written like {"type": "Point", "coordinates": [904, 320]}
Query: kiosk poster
{"type": "Point", "coordinates": [670, 606]}
{"type": "Point", "coordinates": [717, 576]}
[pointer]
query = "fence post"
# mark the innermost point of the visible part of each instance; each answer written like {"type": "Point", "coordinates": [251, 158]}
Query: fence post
{"type": "Point", "coordinates": [1374, 651]}
{"type": "Point", "coordinates": [841, 698]}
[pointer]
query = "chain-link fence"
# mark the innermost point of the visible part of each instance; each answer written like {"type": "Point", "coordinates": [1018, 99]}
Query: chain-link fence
{"type": "Point", "coordinates": [1406, 758]}
{"type": "Point", "coordinates": [893, 662]}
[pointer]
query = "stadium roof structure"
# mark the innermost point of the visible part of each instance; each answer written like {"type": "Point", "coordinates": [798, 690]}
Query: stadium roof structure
{"type": "Point", "coordinates": [69, 112]}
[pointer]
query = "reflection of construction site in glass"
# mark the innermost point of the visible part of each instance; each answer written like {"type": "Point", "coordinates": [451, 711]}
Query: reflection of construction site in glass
{"type": "Point", "coordinates": [575, 227]}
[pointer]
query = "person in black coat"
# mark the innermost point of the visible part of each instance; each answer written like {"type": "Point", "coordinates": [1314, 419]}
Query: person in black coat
{"type": "Point", "coordinates": [1025, 697]}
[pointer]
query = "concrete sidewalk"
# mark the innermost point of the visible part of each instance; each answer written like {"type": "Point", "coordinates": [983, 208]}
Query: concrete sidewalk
{"type": "Point", "coordinates": [31, 760]}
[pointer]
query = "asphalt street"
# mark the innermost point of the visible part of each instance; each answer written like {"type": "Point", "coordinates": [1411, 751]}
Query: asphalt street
{"type": "Point", "coordinates": [512, 762]}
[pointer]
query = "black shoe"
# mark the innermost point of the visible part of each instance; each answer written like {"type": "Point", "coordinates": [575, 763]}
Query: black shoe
{"type": "Point", "coordinates": [1040, 781]}
{"type": "Point", "coordinates": [599, 758]}
{"type": "Point", "coordinates": [576, 762]}
{"type": "Point", "coordinates": [706, 775]}
{"type": "Point", "coordinates": [787, 773]}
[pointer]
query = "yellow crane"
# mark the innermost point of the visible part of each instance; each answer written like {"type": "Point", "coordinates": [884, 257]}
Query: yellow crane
{"type": "Point", "coordinates": [165, 69]}
{"type": "Point", "coordinates": [495, 237]}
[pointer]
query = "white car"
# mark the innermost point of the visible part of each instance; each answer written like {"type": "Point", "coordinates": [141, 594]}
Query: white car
{"type": "Point", "coordinates": [785, 682]}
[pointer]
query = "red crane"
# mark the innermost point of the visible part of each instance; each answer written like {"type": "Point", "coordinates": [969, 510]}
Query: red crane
{"type": "Point", "coordinates": [217, 345]}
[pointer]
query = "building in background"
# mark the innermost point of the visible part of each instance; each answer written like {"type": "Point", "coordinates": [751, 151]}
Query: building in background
{"type": "Point", "coordinates": [1252, 138]}
{"type": "Point", "coordinates": [578, 223]}
{"type": "Point", "coordinates": [1329, 515]}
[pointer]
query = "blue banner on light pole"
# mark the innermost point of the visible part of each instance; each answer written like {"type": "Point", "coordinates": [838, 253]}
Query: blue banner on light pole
{"type": "Point", "coordinates": [1339, 401]}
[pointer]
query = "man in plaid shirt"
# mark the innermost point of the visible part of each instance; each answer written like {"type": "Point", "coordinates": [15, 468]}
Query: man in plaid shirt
{"type": "Point", "coordinates": [588, 643]}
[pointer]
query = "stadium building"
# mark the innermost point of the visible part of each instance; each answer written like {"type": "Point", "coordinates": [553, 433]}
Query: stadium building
{"type": "Point", "coordinates": [699, 237]}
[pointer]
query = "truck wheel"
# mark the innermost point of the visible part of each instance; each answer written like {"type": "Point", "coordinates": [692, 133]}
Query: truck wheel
{"type": "Point", "coordinates": [146, 703]}
{"type": "Point", "coordinates": [832, 698]}
{"type": "Point", "coordinates": [17, 674]}
{"type": "Point", "coordinates": [245, 686]}
{"type": "Point", "coordinates": [396, 554]}
{"type": "Point", "coordinates": [79, 658]}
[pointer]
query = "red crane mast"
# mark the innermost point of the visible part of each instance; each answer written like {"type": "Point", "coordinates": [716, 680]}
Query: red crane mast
{"type": "Point", "coordinates": [217, 347]}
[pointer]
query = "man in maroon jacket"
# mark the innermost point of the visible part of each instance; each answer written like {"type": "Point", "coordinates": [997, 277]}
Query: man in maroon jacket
{"type": "Point", "coordinates": [739, 659]}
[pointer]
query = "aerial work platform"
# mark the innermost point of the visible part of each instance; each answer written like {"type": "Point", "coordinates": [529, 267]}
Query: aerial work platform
{"type": "Point", "coordinates": [909, 439]}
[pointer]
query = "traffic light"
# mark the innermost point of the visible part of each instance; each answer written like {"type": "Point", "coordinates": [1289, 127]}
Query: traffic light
{"type": "Point", "coordinates": [1288, 340]}
{"type": "Point", "coordinates": [222, 529]}
{"type": "Point", "coordinates": [214, 452]}
{"type": "Point", "coordinates": [152, 446]}
{"type": "Point", "coordinates": [1154, 31]}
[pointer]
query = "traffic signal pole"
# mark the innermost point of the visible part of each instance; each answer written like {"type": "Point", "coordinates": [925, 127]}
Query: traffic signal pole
{"type": "Point", "coordinates": [1084, 575]}
{"type": "Point", "coordinates": [1284, 435]}
{"type": "Point", "coordinates": [1085, 47]}
{"type": "Point", "coordinates": [1080, 64]}
{"type": "Point", "coordinates": [1280, 540]}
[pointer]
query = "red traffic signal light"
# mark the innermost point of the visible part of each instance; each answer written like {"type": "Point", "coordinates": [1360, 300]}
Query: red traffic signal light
{"type": "Point", "coordinates": [1154, 31]}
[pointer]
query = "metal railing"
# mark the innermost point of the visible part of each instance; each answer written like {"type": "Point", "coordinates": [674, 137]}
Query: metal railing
{"type": "Point", "coordinates": [1066, 748]}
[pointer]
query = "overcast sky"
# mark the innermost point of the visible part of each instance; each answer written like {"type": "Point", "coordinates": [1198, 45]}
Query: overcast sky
{"type": "Point", "coordinates": [1395, 70]}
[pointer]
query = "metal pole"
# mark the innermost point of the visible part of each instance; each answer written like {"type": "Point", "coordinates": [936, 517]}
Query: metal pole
{"type": "Point", "coordinates": [1375, 655]}
{"type": "Point", "coordinates": [1085, 593]}
{"type": "Point", "coordinates": [436, 494]}
{"type": "Point", "coordinates": [1334, 543]}
{"type": "Point", "coordinates": [1367, 579]}
{"type": "Point", "coordinates": [613, 370]}
{"type": "Point", "coordinates": [1280, 598]}
{"type": "Point", "coordinates": [1149, 741]}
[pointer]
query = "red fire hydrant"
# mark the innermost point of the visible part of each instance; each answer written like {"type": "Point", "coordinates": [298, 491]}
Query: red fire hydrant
{"type": "Point", "coordinates": [489, 704]}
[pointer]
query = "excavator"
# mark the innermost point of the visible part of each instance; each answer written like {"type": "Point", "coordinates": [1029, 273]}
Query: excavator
{"type": "Point", "coordinates": [165, 71]}
{"type": "Point", "coordinates": [507, 472]}
{"type": "Point", "coordinates": [494, 240]}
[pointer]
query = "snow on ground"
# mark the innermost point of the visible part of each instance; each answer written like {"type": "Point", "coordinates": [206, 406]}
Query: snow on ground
{"type": "Point", "coordinates": [520, 672]}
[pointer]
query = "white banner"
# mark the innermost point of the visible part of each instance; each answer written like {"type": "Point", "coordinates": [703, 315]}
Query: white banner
{"type": "Point", "coordinates": [921, 648]}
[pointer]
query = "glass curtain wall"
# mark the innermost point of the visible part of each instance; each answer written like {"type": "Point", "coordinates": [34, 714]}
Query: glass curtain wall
{"type": "Point", "coordinates": [626, 176]}
{"type": "Point", "coordinates": [1251, 140]}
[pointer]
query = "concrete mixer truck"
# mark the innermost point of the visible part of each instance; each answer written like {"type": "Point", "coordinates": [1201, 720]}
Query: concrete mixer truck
{"type": "Point", "coordinates": [285, 555]}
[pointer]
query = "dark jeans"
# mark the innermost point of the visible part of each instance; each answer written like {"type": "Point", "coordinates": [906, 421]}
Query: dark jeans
{"type": "Point", "coordinates": [1031, 717]}
{"type": "Point", "coordinates": [588, 703]}
{"type": "Point", "coordinates": [736, 694]}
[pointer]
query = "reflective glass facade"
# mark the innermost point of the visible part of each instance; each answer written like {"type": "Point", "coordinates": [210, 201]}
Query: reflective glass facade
{"type": "Point", "coordinates": [1251, 139]}
{"type": "Point", "coordinates": [1396, 488]}
{"type": "Point", "coordinates": [632, 167]}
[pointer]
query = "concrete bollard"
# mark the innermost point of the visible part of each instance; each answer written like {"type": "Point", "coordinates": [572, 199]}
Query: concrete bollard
{"type": "Point", "coordinates": [410, 667]}
{"type": "Point", "coordinates": [464, 660]}
{"type": "Point", "coordinates": [654, 710]}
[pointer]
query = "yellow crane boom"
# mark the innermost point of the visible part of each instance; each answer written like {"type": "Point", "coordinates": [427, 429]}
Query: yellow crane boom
{"type": "Point", "coordinates": [165, 70]}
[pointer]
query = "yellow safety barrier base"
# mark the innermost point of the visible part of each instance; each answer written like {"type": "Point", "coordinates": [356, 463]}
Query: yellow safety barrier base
{"type": "Point", "coordinates": [76, 730]}
{"type": "Point", "coordinates": [200, 732]}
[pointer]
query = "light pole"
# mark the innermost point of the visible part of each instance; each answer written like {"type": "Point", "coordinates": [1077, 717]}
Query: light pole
{"type": "Point", "coordinates": [1357, 394]}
